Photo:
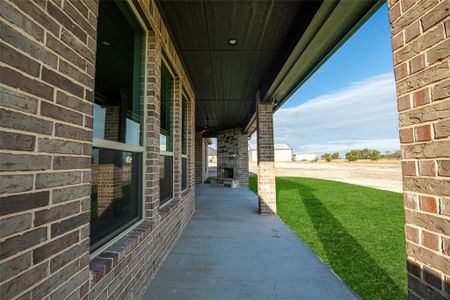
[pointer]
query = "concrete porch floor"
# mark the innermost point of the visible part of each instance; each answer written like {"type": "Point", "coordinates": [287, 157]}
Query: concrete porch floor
{"type": "Point", "coordinates": [228, 251]}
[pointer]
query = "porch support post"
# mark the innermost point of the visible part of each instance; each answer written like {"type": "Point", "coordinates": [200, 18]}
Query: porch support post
{"type": "Point", "coordinates": [177, 138]}
{"type": "Point", "coordinates": [420, 41]}
{"type": "Point", "coordinates": [199, 158]}
{"type": "Point", "coordinates": [152, 130]}
{"type": "Point", "coordinates": [266, 162]}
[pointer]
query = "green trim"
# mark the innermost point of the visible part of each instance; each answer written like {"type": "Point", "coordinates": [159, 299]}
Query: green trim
{"type": "Point", "coordinates": [129, 15]}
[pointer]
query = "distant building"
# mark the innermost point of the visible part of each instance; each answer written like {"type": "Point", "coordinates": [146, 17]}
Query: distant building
{"type": "Point", "coordinates": [283, 152]}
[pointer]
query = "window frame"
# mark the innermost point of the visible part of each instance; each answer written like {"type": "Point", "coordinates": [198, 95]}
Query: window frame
{"type": "Point", "coordinates": [107, 144]}
{"type": "Point", "coordinates": [172, 114]}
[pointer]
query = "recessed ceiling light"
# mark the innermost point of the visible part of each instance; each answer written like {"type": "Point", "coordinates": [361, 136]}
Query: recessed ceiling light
{"type": "Point", "coordinates": [232, 42]}
{"type": "Point", "coordinates": [106, 43]}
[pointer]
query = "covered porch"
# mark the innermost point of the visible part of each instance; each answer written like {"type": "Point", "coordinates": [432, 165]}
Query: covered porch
{"type": "Point", "coordinates": [106, 105]}
{"type": "Point", "coordinates": [228, 251]}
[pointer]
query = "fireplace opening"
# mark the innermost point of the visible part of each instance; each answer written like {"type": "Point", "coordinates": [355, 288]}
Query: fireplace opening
{"type": "Point", "coordinates": [227, 173]}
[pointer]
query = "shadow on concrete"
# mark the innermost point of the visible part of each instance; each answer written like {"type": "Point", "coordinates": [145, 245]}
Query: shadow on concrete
{"type": "Point", "coordinates": [345, 255]}
{"type": "Point", "coordinates": [227, 252]}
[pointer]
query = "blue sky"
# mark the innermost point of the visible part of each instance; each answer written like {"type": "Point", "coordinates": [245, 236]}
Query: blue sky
{"type": "Point", "coordinates": [367, 53]}
{"type": "Point", "coordinates": [350, 102]}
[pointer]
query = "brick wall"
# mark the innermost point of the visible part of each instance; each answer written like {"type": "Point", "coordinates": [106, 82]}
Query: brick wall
{"type": "Point", "coordinates": [200, 174]}
{"type": "Point", "coordinates": [177, 137]}
{"type": "Point", "coordinates": [152, 158]}
{"type": "Point", "coordinates": [266, 157]}
{"type": "Point", "coordinates": [191, 150]}
{"type": "Point", "coordinates": [232, 152]}
{"type": "Point", "coordinates": [125, 268]}
{"type": "Point", "coordinates": [47, 62]}
{"type": "Point", "coordinates": [47, 66]}
{"type": "Point", "coordinates": [420, 41]}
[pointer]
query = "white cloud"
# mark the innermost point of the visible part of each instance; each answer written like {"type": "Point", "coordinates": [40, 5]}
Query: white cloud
{"type": "Point", "coordinates": [361, 115]}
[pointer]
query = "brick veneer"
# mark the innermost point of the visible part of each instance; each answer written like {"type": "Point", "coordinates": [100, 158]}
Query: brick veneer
{"type": "Point", "coordinates": [47, 82]}
{"type": "Point", "coordinates": [232, 152]}
{"type": "Point", "coordinates": [266, 157]}
{"type": "Point", "coordinates": [200, 153]}
{"type": "Point", "coordinates": [191, 150]}
{"type": "Point", "coordinates": [420, 41]}
{"type": "Point", "coordinates": [48, 67]}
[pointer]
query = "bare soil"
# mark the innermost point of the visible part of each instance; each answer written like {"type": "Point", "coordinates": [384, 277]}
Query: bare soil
{"type": "Point", "coordinates": [383, 174]}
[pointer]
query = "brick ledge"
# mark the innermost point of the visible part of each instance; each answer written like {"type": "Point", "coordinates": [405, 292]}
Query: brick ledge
{"type": "Point", "coordinates": [101, 265]}
{"type": "Point", "coordinates": [106, 261]}
{"type": "Point", "coordinates": [173, 204]}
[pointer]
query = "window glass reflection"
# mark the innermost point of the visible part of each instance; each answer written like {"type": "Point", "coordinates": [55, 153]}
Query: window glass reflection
{"type": "Point", "coordinates": [165, 178]}
{"type": "Point", "coordinates": [183, 173]}
{"type": "Point", "coordinates": [118, 110]}
{"type": "Point", "coordinates": [116, 178]}
{"type": "Point", "coordinates": [166, 109]}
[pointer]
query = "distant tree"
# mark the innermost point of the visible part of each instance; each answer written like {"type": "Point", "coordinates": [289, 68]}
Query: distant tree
{"type": "Point", "coordinates": [374, 155]}
{"type": "Point", "coordinates": [327, 157]}
{"type": "Point", "coordinates": [294, 157]}
{"type": "Point", "coordinates": [353, 155]}
{"type": "Point", "coordinates": [364, 154]}
{"type": "Point", "coordinates": [397, 154]}
{"type": "Point", "coordinates": [335, 155]}
{"type": "Point", "coordinates": [389, 154]}
{"type": "Point", "coordinates": [316, 159]}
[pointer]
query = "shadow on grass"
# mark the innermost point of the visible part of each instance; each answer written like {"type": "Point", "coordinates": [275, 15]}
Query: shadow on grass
{"type": "Point", "coordinates": [345, 255]}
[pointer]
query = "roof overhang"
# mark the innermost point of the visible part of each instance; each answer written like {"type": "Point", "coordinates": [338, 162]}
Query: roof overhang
{"type": "Point", "coordinates": [280, 45]}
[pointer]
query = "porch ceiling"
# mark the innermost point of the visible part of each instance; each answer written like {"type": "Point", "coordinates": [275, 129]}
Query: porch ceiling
{"type": "Point", "coordinates": [279, 45]}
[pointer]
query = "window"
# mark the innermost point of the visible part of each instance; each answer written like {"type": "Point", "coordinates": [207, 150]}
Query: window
{"type": "Point", "coordinates": [117, 156]}
{"type": "Point", "coordinates": [184, 134]}
{"type": "Point", "coordinates": [166, 136]}
{"type": "Point", "coordinates": [116, 191]}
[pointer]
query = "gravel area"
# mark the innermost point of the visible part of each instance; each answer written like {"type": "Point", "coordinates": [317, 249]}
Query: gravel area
{"type": "Point", "coordinates": [385, 175]}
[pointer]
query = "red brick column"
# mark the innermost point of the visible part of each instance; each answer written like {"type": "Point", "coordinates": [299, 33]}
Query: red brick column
{"type": "Point", "coordinates": [421, 45]}
{"type": "Point", "coordinates": [266, 161]}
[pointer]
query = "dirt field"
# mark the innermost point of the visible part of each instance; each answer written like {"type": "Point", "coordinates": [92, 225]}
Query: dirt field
{"type": "Point", "coordinates": [384, 175]}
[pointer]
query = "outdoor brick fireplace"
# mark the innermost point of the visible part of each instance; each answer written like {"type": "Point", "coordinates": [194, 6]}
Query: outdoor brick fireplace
{"type": "Point", "coordinates": [232, 158]}
{"type": "Point", "coordinates": [226, 173]}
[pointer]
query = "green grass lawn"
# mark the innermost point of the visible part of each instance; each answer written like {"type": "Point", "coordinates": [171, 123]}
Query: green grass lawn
{"type": "Point", "coordinates": [357, 231]}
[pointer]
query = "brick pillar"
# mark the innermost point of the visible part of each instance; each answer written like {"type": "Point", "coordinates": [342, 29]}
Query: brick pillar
{"type": "Point", "coordinates": [266, 162]}
{"type": "Point", "coordinates": [153, 127]}
{"type": "Point", "coordinates": [177, 102]}
{"type": "Point", "coordinates": [420, 41]}
{"type": "Point", "coordinates": [191, 147]}
{"type": "Point", "coordinates": [243, 160]}
{"type": "Point", "coordinates": [198, 158]}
